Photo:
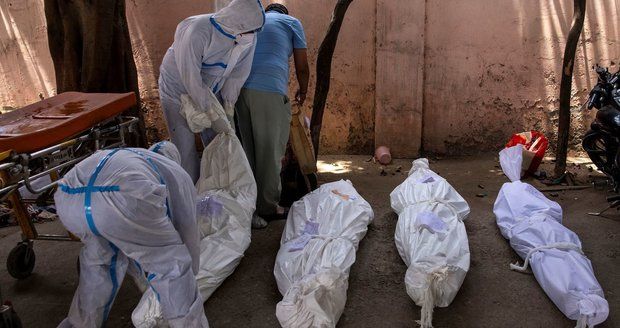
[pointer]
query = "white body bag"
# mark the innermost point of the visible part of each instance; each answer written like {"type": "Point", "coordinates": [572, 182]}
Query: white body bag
{"type": "Point", "coordinates": [431, 238]}
{"type": "Point", "coordinates": [533, 225]}
{"type": "Point", "coordinates": [317, 249]}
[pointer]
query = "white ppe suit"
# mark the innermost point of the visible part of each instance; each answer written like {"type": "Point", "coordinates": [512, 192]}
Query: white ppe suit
{"type": "Point", "coordinates": [166, 149]}
{"type": "Point", "coordinates": [133, 207]}
{"type": "Point", "coordinates": [210, 52]}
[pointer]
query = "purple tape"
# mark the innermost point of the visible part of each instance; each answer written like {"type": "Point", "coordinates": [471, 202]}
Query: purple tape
{"type": "Point", "coordinates": [311, 228]}
{"type": "Point", "coordinates": [209, 206]}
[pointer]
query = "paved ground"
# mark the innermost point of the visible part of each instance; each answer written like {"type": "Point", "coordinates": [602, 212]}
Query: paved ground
{"type": "Point", "coordinates": [491, 296]}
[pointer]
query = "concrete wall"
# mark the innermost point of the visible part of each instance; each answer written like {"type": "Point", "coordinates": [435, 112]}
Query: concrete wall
{"type": "Point", "coordinates": [493, 68]}
{"type": "Point", "coordinates": [152, 24]}
{"type": "Point", "coordinates": [348, 124]}
{"type": "Point", "coordinates": [448, 76]}
{"type": "Point", "coordinates": [400, 76]}
{"type": "Point", "coordinates": [26, 68]}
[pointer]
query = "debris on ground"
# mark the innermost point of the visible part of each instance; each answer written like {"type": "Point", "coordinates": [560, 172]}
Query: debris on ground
{"type": "Point", "coordinates": [42, 214]}
{"type": "Point", "coordinates": [540, 175]}
{"type": "Point", "coordinates": [557, 181]}
{"type": "Point", "coordinates": [562, 188]}
{"type": "Point", "coordinates": [383, 172]}
{"type": "Point", "coordinates": [6, 217]}
{"type": "Point", "coordinates": [481, 186]}
{"type": "Point", "coordinates": [399, 169]}
{"type": "Point", "coordinates": [482, 195]}
{"type": "Point", "coordinates": [45, 216]}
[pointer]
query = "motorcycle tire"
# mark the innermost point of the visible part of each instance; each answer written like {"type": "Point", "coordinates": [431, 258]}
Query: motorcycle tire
{"type": "Point", "coordinates": [603, 151]}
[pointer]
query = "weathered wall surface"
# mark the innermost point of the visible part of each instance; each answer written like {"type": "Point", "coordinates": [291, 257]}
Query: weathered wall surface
{"type": "Point", "coordinates": [348, 124]}
{"type": "Point", "coordinates": [493, 68]}
{"type": "Point", "coordinates": [349, 115]}
{"type": "Point", "coordinates": [27, 71]}
{"type": "Point", "coordinates": [26, 68]}
{"type": "Point", "coordinates": [400, 76]}
{"type": "Point", "coordinates": [152, 24]}
{"type": "Point", "coordinates": [448, 76]}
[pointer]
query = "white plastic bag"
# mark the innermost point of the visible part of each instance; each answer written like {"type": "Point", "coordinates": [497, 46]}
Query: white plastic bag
{"type": "Point", "coordinates": [317, 249]}
{"type": "Point", "coordinates": [226, 201]}
{"type": "Point", "coordinates": [533, 225]}
{"type": "Point", "coordinates": [431, 238]}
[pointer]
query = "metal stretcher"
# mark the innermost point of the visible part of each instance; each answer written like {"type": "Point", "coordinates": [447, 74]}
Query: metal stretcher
{"type": "Point", "coordinates": [46, 139]}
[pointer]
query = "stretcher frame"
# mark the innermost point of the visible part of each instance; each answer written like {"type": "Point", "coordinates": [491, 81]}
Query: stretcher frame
{"type": "Point", "coordinates": [19, 170]}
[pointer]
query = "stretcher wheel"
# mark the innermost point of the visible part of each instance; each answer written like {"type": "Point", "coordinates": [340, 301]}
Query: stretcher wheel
{"type": "Point", "coordinates": [20, 262]}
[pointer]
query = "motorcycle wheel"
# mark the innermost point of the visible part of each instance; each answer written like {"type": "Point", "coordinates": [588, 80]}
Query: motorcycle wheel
{"type": "Point", "coordinates": [603, 151]}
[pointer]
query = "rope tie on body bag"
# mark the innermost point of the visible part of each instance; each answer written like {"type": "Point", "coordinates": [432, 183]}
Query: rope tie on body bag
{"type": "Point", "coordinates": [561, 246]}
{"type": "Point", "coordinates": [435, 201]}
{"type": "Point", "coordinates": [300, 242]}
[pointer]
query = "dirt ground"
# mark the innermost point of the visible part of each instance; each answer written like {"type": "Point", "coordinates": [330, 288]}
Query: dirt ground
{"type": "Point", "coordinates": [491, 296]}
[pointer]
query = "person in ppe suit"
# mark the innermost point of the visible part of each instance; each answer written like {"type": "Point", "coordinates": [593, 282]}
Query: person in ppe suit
{"type": "Point", "coordinates": [133, 207]}
{"type": "Point", "coordinates": [210, 52]}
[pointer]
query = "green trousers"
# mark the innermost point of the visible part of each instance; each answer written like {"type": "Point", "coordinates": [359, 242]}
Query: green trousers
{"type": "Point", "coordinates": [264, 123]}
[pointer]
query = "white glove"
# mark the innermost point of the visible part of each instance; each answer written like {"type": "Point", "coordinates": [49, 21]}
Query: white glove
{"type": "Point", "coordinates": [197, 119]}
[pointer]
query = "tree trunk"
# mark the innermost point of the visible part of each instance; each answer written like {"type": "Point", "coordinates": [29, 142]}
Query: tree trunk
{"type": "Point", "coordinates": [323, 71]}
{"type": "Point", "coordinates": [91, 49]}
{"type": "Point", "coordinates": [579, 14]}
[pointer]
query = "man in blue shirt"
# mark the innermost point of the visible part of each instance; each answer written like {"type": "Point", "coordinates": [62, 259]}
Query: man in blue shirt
{"type": "Point", "coordinates": [263, 109]}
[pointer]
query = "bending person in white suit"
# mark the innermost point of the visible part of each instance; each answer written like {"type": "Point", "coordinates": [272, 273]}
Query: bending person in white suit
{"type": "Point", "coordinates": [133, 207]}
{"type": "Point", "coordinates": [210, 52]}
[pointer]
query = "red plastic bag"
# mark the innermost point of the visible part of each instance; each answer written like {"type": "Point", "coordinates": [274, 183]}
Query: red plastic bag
{"type": "Point", "coordinates": [535, 146]}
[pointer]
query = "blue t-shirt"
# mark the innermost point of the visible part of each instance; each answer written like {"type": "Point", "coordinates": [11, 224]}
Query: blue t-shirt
{"type": "Point", "coordinates": [275, 43]}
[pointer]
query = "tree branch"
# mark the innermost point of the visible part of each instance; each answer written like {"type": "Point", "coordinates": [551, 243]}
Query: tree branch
{"type": "Point", "coordinates": [323, 71]}
{"type": "Point", "coordinates": [579, 14]}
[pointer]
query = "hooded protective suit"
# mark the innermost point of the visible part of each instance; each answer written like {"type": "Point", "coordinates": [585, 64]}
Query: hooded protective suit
{"type": "Point", "coordinates": [133, 205]}
{"type": "Point", "coordinates": [168, 150]}
{"type": "Point", "coordinates": [210, 52]}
